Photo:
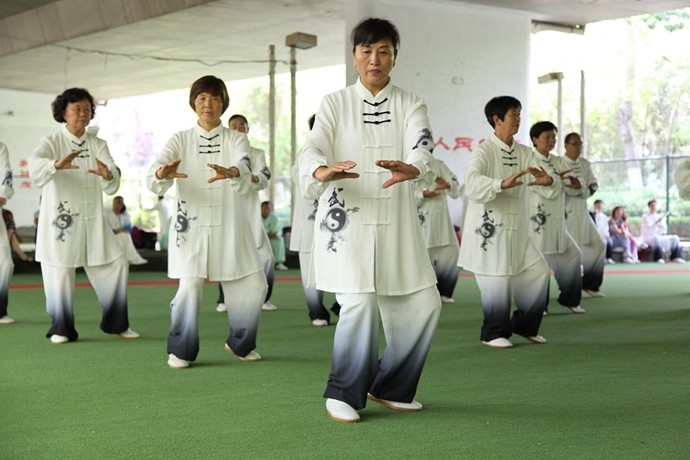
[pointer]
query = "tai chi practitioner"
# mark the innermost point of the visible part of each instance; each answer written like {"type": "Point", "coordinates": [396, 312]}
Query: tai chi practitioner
{"type": "Point", "coordinates": [74, 168]}
{"type": "Point", "coordinates": [210, 236]}
{"type": "Point", "coordinates": [368, 141]}
{"type": "Point", "coordinates": [6, 264]}
{"type": "Point", "coordinates": [301, 241]}
{"type": "Point", "coordinates": [495, 236]}
{"type": "Point", "coordinates": [578, 221]}
{"type": "Point", "coordinates": [437, 229]}
{"type": "Point", "coordinates": [260, 175]}
{"type": "Point", "coordinates": [547, 218]}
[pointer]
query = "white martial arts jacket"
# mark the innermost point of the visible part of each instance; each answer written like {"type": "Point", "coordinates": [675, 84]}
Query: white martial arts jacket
{"type": "Point", "coordinates": [252, 202]}
{"type": "Point", "coordinates": [71, 229]}
{"type": "Point", "coordinates": [434, 216]}
{"type": "Point", "coordinates": [210, 236]}
{"type": "Point", "coordinates": [578, 221]}
{"type": "Point", "coordinates": [6, 190]}
{"type": "Point", "coordinates": [367, 238]}
{"type": "Point", "coordinates": [495, 235]}
{"type": "Point", "coordinates": [303, 215]}
{"type": "Point", "coordinates": [547, 215]}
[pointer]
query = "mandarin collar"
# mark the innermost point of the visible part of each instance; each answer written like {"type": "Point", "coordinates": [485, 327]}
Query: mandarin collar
{"type": "Point", "coordinates": [72, 137]}
{"type": "Point", "coordinates": [202, 132]}
{"type": "Point", "coordinates": [365, 94]}
{"type": "Point", "coordinates": [502, 145]}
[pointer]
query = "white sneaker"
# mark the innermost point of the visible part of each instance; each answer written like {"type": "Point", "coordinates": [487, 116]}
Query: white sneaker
{"type": "Point", "coordinates": [281, 267]}
{"type": "Point", "coordinates": [414, 406]}
{"type": "Point", "coordinates": [445, 299]}
{"type": "Point", "coordinates": [6, 320]}
{"type": "Point", "coordinates": [661, 261]}
{"type": "Point", "coordinates": [629, 260]}
{"type": "Point", "coordinates": [536, 339]}
{"type": "Point", "coordinates": [177, 363]}
{"type": "Point", "coordinates": [577, 309]}
{"type": "Point", "coordinates": [341, 411]}
{"type": "Point", "coordinates": [58, 338]}
{"type": "Point", "coordinates": [500, 342]}
{"type": "Point", "coordinates": [319, 323]}
{"type": "Point", "coordinates": [138, 261]}
{"type": "Point", "coordinates": [678, 260]}
{"type": "Point", "coordinates": [268, 306]}
{"type": "Point", "coordinates": [129, 334]}
{"type": "Point", "coordinates": [610, 262]}
{"type": "Point", "coordinates": [221, 308]}
{"type": "Point", "coordinates": [251, 356]}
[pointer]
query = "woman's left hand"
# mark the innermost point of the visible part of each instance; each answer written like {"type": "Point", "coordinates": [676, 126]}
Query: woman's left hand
{"type": "Point", "coordinates": [102, 170]}
{"type": "Point", "coordinates": [223, 173]}
{"type": "Point", "coordinates": [541, 177]}
{"type": "Point", "coordinates": [401, 171]}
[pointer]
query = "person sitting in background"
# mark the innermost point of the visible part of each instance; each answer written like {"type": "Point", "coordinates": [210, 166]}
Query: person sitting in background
{"type": "Point", "coordinates": [654, 234]}
{"type": "Point", "coordinates": [120, 223]}
{"type": "Point", "coordinates": [621, 236]}
{"type": "Point", "coordinates": [272, 228]}
{"type": "Point", "coordinates": [13, 237]}
{"type": "Point", "coordinates": [601, 221]}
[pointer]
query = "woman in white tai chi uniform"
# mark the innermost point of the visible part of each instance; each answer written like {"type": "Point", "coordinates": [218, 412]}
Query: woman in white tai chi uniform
{"type": "Point", "coordinates": [547, 218]}
{"type": "Point", "coordinates": [495, 238]}
{"type": "Point", "coordinates": [6, 264]}
{"type": "Point", "coordinates": [210, 236]}
{"type": "Point", "coordinates": [369, 139]}
{"type": "Point", "coordinates": [74, 168]}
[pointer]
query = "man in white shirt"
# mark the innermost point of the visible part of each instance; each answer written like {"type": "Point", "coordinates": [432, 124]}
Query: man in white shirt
{"type": "Point", "coordinates": [654, 234]}
{"type": "Point", "coordinates": [601, 221]}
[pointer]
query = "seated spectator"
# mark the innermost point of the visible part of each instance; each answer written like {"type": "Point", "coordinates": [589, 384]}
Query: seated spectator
{"type": "Point", "coordinates": [601, 221]}
{"type": "Point", "coordinates": [654, 234]}
{"type": "Point", "coordinates": [120, 223]}
{"type": "Point", "coordinates": [621, 236]}
{"type": "Point", "coordinates": [272, 228]}
{"type": "Point", "coordinates": [13, 237]}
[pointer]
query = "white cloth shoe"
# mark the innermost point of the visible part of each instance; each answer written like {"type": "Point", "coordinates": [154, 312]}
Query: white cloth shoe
{"type": "Point", "coordinates": [678, 260]}
{"type": "Point", "coordinates": [539, 340]}
{"type": "Point", "coordinates": [500, 342]}
{"type": "Point", "coordinates": [129, 334]}
{"type": "Point", "coordinates": [281, 267]}
{"type": "Point", "coordinates": [341, 411]}
{"type": "Point", "coordinates": [268, 306]}
{"type": "Point", "coordinates": [177, 363]}
{"type": "Point", "coordinates": [577, 309]}
{"type": "Point", "coordinates": [251, 356]}
{"type": "Point", "coordinates": [6, 320]}
{"type": "Point", "coordinates": [221, 308]}
{"type": "Point", "coordinates": [138, 261]}
{"type": "Point", "coordinates": [414, 406]}
{"type": "Point", "coordinates": [594, 294]}
{"type": "Point", "coordinates": [445, 299]}
{"type": "Point", "coordinates": [319, 323]}
{"type": "Point", "coordinates": [58, 338]}
{"type": "Point", "coordinates": [610, 262]}
{"type": "Point", "coordinates": [661, 261]}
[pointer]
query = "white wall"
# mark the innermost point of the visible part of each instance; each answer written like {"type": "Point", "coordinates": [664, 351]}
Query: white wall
{"type": "Point", "coordinates": [25, 118]}
{"type": "Point", "coordinates": [456, 57]}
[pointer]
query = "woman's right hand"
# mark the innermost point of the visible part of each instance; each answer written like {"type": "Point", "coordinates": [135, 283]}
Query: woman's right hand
{"type": "Point", "coordinates": [336, 172]}
{"type": "Point", "coordinates": [66, 161]}
{"type": "Point", "coordinates": [169, 171]}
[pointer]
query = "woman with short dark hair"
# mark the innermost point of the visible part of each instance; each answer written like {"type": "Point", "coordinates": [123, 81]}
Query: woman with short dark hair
{"type": "Point", "coordinates": [209, 237]}
{"type": "Point", "coordinates": [74, 168]}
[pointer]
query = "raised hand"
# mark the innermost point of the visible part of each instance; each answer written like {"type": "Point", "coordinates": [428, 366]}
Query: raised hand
{"type": "Point", "coordinates": [541, 177]}
{"type": "Point", "coordinates": [66, 161]}
{"type": "Point", "coordinates": [513, 180]}
{"type": "Point", "coordinates": [337, 171]}
{"type": "Point", "coordinates": [102, 170]}
{"type": "Point", "coordinates": [441, 183]}
{"type": "Point", "coordinates": [401, 171]}
{"type": "Point", "coordinates": [223, 173]}
{"type": "Point", "coordinates": [169, 171]}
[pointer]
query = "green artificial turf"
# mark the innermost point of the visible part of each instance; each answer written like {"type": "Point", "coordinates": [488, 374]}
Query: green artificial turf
{"type": "Point", "coordinates": [610, 384]}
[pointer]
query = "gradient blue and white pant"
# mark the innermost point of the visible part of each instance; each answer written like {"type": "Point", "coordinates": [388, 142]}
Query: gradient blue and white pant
{"type": "Point", "coordinates": [529, 289]}
{"type": "Point", "coordinates": [313, 296]}
{"type": "Point", "coordinates": [444, 259]}
{"type": "Point", "coordinates": [108, 280]}
{"type": "Point", "coordinates": [244, 309]}
{"type": "Point", "coordinates": [567, 270]}
{"type": "Point", "coordinates": [593, 261]}
{"type": "Point", "coordinates": [266, 258]}
{"type": "Point", "coordinates": [409, 322]}
{"type": "Point", "coordinates": [6, 270]}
